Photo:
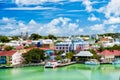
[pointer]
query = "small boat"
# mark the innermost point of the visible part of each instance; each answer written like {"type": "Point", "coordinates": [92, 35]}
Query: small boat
{"type": "Point", "coordinates": [51, 65]}
{"type": "Point", "coordinates": [5, 67]}
{"type": "Point", "coordinates": [116, 61]}
{"type": "Point", "coordinates": [92, 62]}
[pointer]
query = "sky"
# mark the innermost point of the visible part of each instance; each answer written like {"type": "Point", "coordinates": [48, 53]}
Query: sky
{"type": "Point", "coordinates": [59, 17]}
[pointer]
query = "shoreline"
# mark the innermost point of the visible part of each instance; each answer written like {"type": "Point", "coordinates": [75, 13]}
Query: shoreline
{"type": "Point", "coordinates": [42, 64]}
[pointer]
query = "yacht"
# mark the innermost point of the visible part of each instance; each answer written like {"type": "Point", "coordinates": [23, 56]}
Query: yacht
{"type": "Point", "coordinates": [92, 62]}
{"type": "Point", "coordinates": [51, 65]}
{"type": "Point", "coordinates": [116, 61]}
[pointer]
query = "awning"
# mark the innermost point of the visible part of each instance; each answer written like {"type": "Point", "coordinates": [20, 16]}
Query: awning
{"type": "Point", "coordinates": [84, 53]}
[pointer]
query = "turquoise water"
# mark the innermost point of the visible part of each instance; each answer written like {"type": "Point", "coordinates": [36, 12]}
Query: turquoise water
{"type": "Point", "coordinates": [72, 72]}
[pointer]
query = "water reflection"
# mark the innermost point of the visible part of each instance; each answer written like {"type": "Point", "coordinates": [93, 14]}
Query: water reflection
{"type": "Point", "coordinates": [98, 72]}
{"type": "Point", "coordinates": [72, 72]}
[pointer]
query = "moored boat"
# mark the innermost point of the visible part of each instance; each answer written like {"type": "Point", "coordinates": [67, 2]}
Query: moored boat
{"type": "Point", "coordinates": [51, 65]}
{"type": "Point", "coordinates": [5, 67]}
{"type": "Point", "coordinates": [92, 62]}
{"type": "Point", "coordinates": [116, 61]}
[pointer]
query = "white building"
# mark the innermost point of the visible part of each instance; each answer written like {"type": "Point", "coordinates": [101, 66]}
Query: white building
{"type": "Point", "coordinates": [17, 58]}
{"type": "Point", "coordinates": [72, 45]}
{"type": "Point", "coordinates": [13, 43]}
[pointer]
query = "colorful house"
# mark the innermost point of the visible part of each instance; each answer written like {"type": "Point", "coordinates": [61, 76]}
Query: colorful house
{"type": "Point", "coordinates": [72, 45]}
{"type": "Point", "coordinates": [12, 57]}
{"type": "Point", "coordinates": [46, 43]}
{"type": "Point", "coordinates": [6, 56]}
{"type": "Point", "coordinates": [108, 56]}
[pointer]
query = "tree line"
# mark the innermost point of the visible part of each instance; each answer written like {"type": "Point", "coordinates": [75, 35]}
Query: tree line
{"type": "Point", "coordinates": [34, 36]}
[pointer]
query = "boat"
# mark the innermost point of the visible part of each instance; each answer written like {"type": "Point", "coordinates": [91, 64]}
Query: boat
{"type": "Point", "coordinates": [92, 62]}
{"type": "Point", "coordinates": [51, 65]}
{"type": "Point", "coordinates": [5, 67]}
{"type": "Point", "coordinates": [116, 61]}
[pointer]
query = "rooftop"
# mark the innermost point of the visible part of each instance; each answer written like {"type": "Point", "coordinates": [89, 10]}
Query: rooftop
{"type": "Point", "coordinates": [7, 53]}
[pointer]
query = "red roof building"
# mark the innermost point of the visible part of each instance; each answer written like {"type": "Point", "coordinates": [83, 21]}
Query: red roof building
{"type": "Point", "coordinates": [19, 47]}
{"type": "Point", "coordinates": [7, 53]}
{"type": "Point", "coordinates": [106, 53]}
{"type": "Point", "coordinates": [46, 49]}
{"type": "Point", "coordinates": [116, 52]}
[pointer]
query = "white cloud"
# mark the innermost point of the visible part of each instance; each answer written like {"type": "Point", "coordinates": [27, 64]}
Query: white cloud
{"type": "Point", "coordinates": [112, 9]}
{"type": "Point", "coordinates": [80, 30]}
{"type": "Point", "coordinates": [112, 20]}
{"type": "Point", "coordinates": [97, 27]}
{"type": "Point", "coordinates": [32, 22]}
{"type": "Point", "coordinates": [88, 5]}
{"type": "Point", "coordinates": [33, 2]}
{"type": "Point", "coordinates": [93, 18]}
{"type": "Point", "coordinates": [7, 20]}
{"type": "Point", "coordinates": [112, 28]}
{"type": "Point", "coordinates": [31, 8]}
{"type": "Point", "coordinates": [75, 10]}
{"type": "Point", "coordinates": [59, 26]}
{"type": "Point", "coordinates": [75, 0]}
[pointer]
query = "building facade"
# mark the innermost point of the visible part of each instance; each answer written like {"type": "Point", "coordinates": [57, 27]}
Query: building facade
{"type": "Point", "coordinates": [72, 45]}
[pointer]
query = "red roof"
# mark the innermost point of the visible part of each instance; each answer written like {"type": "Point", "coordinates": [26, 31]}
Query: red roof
{"type": "Point", "coordinates": [46, 49]}
{"type": "Point", "coordinates": [19, 47]}
{"type": "Point", "coordinates": [29, 40]}
{"type": "Point", "coordinates": [7, 53]}
{"type": "Point", "coordinates": [106, 52]}
{"type": "Point", "coordinates": [116, 52]}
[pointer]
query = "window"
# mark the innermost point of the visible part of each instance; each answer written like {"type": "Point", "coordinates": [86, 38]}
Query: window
{"type": "Point", "coordinates": [60, 47]}
{"type": "Point", "coordinates": [66, 47]}
{"type": "Point", "coordinates": [56, 47]}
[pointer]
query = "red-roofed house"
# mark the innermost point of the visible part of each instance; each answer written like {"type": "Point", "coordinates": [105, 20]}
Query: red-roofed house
{"type": "Point", "coordinates": [19, 47]}
{"type": "Point", "coordinates": [116, 52]}
{"type": "Point", "coordinates": [12, 57]}
{"type": "Point", "coordinates": [109, 56]}
{"type": "Point", "coordinates": [6, 56]}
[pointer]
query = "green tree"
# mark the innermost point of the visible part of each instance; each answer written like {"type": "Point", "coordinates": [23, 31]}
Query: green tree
{"type": "Point", "coordinates": [59, 52]}
{"type": "Point", "coordinates": [58, 57]}
{"type": "Point", "coordinates": [35, 36]}
{"type": "Point", "coordinates": [34, 56]}
{"type": "Point", "coordinates": [58, 41]}
{"type": "Point", "coordinates": [50, 36]}
{"type": "Point", "coordinates": [69, 55]}
{"type": "Point", "coordinates": [95, 56]}
{"type": "Point", "coordinates": [45, 37]}
{"type": "Point", "coordinates": [4, 39]}
{"type": "Point", "coordinates": [101, 49]}
{"type": "Point", "coordinates": [8, 48]}
{"type": "Point", "coordinates": [116, 47]}
{"type": "Point", "coordinates": [2, 45]}
{"type": "Point", "coordinates": [15, 37]}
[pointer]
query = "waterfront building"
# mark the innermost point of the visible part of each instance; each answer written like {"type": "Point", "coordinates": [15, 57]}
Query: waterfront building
{"type": "Point", "coordinates": [107, 42]}
{"type": "Point", "coordinates": [12, 57]}
{"type": "Point", "coordinates": [17, 58]}
{"type": "Point", "coordinates": [108, 56]}
{"type": "Point", "coordinates": [6, 56]}
{"type": "Point", "coordinates": [83, 56]}
{"type": "Point", "coordinates": [13, 43]}
{"type": "Point", "coordinates": [46, 43]}
{"type": "Point", "coordinates": [72, 45]}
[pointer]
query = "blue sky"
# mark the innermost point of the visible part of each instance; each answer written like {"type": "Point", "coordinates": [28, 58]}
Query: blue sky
{"type": "Point", "coordinates": [59, 17]}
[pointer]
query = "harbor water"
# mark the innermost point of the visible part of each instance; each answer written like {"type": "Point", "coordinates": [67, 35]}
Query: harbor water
{"type": "Point", "coordinates": [71, 72]}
